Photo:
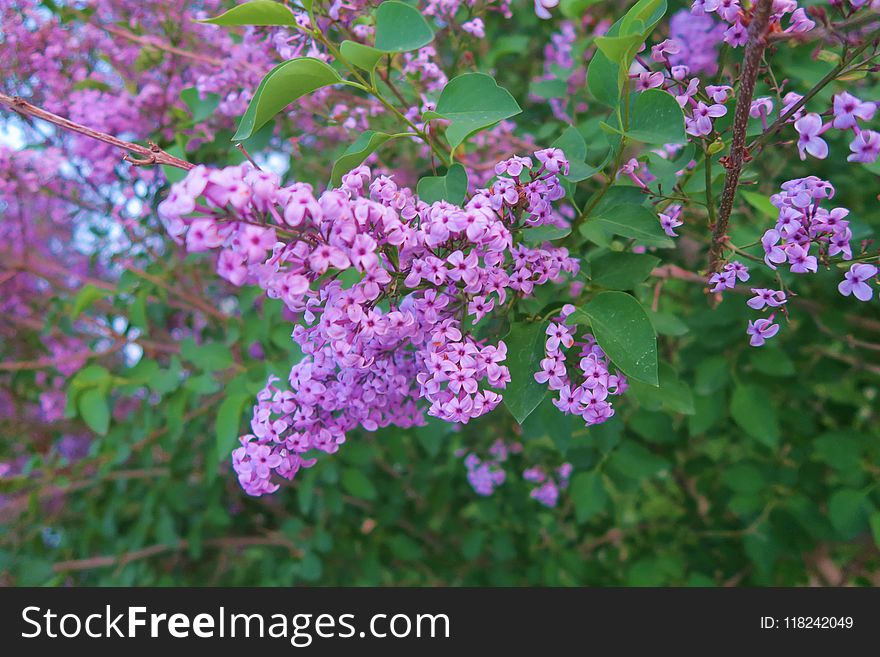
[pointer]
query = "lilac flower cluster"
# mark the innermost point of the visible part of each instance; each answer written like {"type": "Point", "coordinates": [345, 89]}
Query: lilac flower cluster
{"type": "Point", "coordinates": [548, 484]}
{"type": "Point", "coordinates": [586, 390]}
{"type": "Point", "coordinates": [702, 104]}
{"type": "Point", "coordinates": [805, 234]}
{"type": "Point", "coordinates": [693, 42]}
{"type": "Point", "coordinates": [802, 223]}
{"type": "Point", "coordinates": [486, 474]}
{"type": "Point", "coordinates": [763, 329]}
{"type": "Point", "coordinates": [727, 277]}
{"type": "Point", "coordinates": [738, 18]}
{"type": "Point", "coordinates": [381, 284]}
{"type": "Point", "coordinates": [848, 111]}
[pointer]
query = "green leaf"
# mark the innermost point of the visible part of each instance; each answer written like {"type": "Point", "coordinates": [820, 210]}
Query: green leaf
{"type": "Point", "coordinates": [85, 298]}
{"type": "Point", "coordinates": [672, 395]}
{"type": "Point", "coordinates": [743, 478]}
{"type": "Point", "coordinates": [618, 48]}
{"type": "Point", "coordinates": [525, 349]}
{"type": "Point", "coordinates": [848, 510]}
{"type": "Point", "coordinates": [94, 409]}
{"type": "Point", "coordinates": [544, 233]}
{"type": "Point", "coordinates": [228, 423]}
{"type": "Point", "coordinates": [401, 27]}
{"type": "Point", "coordinates": [761, 203]}
{"type": "Point", "coordinates": [752, 409]}
{"type": "Point", "coordinates": [575, 8]}
{"type": "Point", "coordinates": [201, 108]}
{"type": "Point", "coordinates": [668, 324]}
{"type": "Point", "coordinates": [357, 484]}
{"type": "Point", "coordinates": [602, 79]}
{"type": "Point", "coordinates": [366, 143]}
{"type": "Point", "coordinates": [772, 361]}
{"type": "Point", "coordinates": [451, 187]}
{"type": "Point", "coordinates": [642, 17]}
{"type": "Point", "coordinates": [572, 143]}
{"type": "Point", "coordinates": [256, 12]}
{"type": "Point", "coordinates": [471, 102]}
{"type": "Point", "coordinates": [281, 86]}
{"type": "Point", "coordinates": [656, 118]}
{"type": "Point", "coordinates": [636, 462]}
{"type": "Point", "coordinates": [588, 494]}
{"type": "Point", "coordinates": [623, 330]}
{"type": "Point", "coordinates": [365, 57]}
{"type": "Point", "coordinates": [634, 221]}
{"type": "Point", "coordinates": [874, 522]}
{"type": "Point", "coordinates": [209, 357]}
{"type": "Point", "coordinates": [839, 450]}
{"type": "Point", "coordinates": [621, 271]}
{"type": "Point", "coordinates": [549, 88]}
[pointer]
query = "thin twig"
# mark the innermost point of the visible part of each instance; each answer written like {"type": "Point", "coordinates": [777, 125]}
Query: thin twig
{"type": "Point", "coordinates": [150, 155]}
{"type": "Point", "coordinates": [120, 560]}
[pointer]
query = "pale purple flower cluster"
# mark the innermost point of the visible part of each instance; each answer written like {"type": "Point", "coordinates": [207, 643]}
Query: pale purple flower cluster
{"type": "Point", "coordinates": [486, 474]}
{"type": "Point", "coordinates": [585, 391]}
{"type": "Point", "coordinates": [857, 281]}
{"type": "Point", "coordinates": [549, 484]}
{"type": "Point", "coordinates": [693, 43]}
{"type": "Point", "coordinates": [679, 64]}
{"type": "Point", "coordinates": [802, 223]}
{"type": "Point", "coordinates": [763, 329]}
{"type": "Point", "coordinates": [732, 13]}
{"type": "Point", "coordinates": [381, 283]}
{"type": "Point", "coordinates": [727, 277]}
{"type": "Point", "coordinates": [670, 219]}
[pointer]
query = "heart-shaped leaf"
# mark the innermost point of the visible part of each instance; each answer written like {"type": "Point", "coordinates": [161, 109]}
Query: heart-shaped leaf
{"type": "Point", "coordinates": [255, 12]}
{"type": "Point", "coordinates": [363, 146]}
{"type": "Point", "coordinates": [471, 102]}
{"type": "Point", "coordinates": [281, 86]}
{"type": "Point", "coordinates": [452, 187]}
{"type": "Point", "coordinates": [525, 349]}
{"type": "Point", "coordinates": [623, 330]}
{"type": "Point", "coordinates": [401, 27]}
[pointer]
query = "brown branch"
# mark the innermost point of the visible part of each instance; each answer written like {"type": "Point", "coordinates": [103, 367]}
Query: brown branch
{"type": "Point", "coordinates": [150, 155]}
{"type": "Point", "coordinates": [832, 75]}
{"type": "Point", "coordinates": [121, 560]}
{"type": "Point", "coordinates": [734, 162]}
{"type": "Point", "coordinates": [52, 361]}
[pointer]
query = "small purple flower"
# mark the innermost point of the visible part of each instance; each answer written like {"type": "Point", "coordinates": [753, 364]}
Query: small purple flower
{"type": "Point", "coordinates": [547, 494]}
{"type": "Point", "coordinates": [649, 80]}
{"type": "Point", "coordinates": [553, 159]}
{"type": "Point", "coordinates": [800, 259]}
{"type": "Point", "coordinates": [865, 147]}
{"type": "Point", "coordinates": [541, 7]}
{"type": "Point", "coordinates": [848, 109]}
{"type": "Point", "coordinates": [809, 128]}
{"type": "Point", "coordinates": [670, 220]}
{"type": "Point", "coordinates": [722, 280]}
{"type": "Point", "coordinates": [855, 281]}
{"type": "Point", "coordinates": [773, 253]}
{"type": "Point", "coordinates": [761, 330]}
{"type": "Point", "coordinates": [475, 27]}
{"type": "Point", "coordinates": [513, 166]}
{"type": "Point", "coordinates": [765, 297]}
{"type": "Point", "coordinates": [662, 50]}
{"type": "Point", "coordinates": [701, 123]}
{"type": "Point", "coordinates": [737, 35]}
{"type": "Point", "coordinates": [739, 270]}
